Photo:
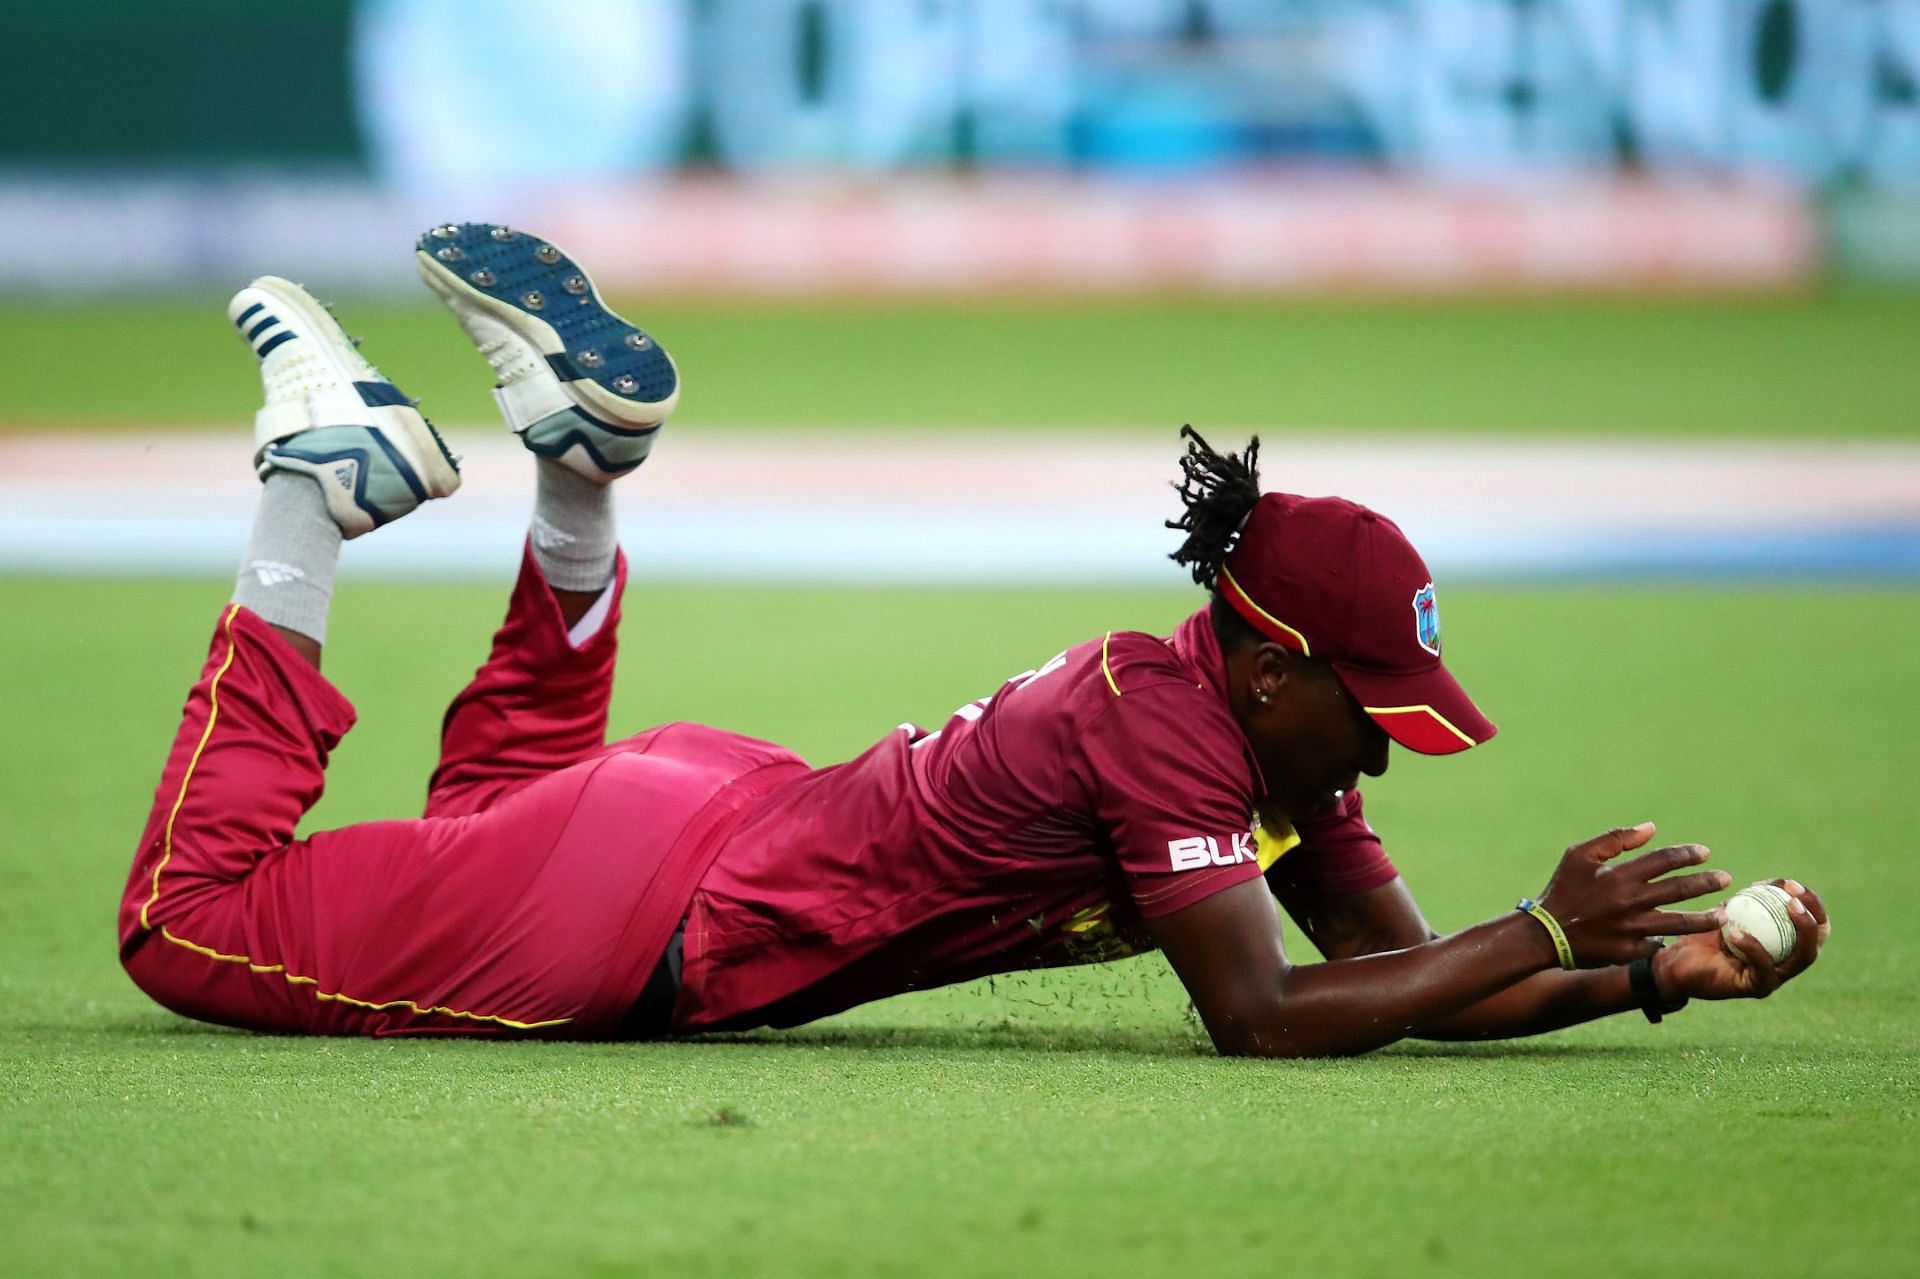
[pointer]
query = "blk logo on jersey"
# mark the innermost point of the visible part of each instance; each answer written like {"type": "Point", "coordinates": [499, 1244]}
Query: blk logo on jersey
{"type": "Point", "coordinates": [1197, 851]}
{"type": "Point", "coordinates": [1426, 619]}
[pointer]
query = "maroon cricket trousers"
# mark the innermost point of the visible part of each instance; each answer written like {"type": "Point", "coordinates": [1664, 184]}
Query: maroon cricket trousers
{"type": "Point", "coordinates": [535, 896]}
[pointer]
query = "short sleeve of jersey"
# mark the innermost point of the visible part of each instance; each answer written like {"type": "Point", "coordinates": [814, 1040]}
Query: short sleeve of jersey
{"type": "Point", "coordinates": [1339, 852]}
{"type": "Point", "coordinates": [1169, 781]}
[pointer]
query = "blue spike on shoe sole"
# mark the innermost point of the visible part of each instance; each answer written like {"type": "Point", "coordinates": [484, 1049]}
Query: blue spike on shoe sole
{"type": "Point", "coordinates": [515, 268]}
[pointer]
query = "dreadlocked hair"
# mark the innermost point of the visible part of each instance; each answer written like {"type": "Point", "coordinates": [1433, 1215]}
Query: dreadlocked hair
{"type": "Point", "coordinates": [1219, 491]}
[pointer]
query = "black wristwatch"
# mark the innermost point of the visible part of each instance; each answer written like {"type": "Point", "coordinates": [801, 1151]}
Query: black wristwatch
{"type": "Point", "coordinates": [1647, 992]}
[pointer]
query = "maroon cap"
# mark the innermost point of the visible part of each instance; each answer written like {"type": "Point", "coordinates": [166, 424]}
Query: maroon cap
{"type": "Point", "coordinates": [1333, 580]}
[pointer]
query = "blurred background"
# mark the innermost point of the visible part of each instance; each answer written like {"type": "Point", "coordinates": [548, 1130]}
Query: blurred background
{"type": "Point", "coordinates": [1240, 146]}
{"type": "Point", "coordinates": [1448, 255]}
{"type": "Point", "coordinates": [1342, 222]}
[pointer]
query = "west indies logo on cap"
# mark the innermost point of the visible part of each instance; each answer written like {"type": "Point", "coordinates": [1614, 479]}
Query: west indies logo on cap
{"type": "Point", "coordinates": [1426, 619]}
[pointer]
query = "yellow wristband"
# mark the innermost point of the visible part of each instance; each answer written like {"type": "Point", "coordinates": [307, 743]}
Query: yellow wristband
{"type": "Point", "coordinates": [1552, 925]}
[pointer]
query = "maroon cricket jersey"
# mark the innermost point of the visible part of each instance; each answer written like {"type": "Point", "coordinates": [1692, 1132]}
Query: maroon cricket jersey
{"type": "Point", "coordinates": [1039, 827]}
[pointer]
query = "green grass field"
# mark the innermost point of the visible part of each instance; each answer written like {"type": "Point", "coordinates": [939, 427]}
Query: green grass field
{"type": "Point", "coordinates": [1068, 1123]}
{"type": "Point", "coordinates": [1824, 365]}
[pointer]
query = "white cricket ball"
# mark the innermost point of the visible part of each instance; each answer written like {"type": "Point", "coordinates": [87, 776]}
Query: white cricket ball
{"type": "Point", "coordinates": [1761, 913]}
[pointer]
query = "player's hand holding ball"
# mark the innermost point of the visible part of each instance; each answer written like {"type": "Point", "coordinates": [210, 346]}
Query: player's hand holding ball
{"type": "Point", "coordinates": [1753, 953]}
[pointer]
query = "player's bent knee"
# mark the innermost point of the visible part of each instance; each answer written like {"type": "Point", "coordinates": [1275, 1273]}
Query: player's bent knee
{"type": "Point", "coordinates": [157, 981]}
{"type": "Point", "coordinates": [179, 986]}
{"type": "Point", "coordinates": [160, 978]}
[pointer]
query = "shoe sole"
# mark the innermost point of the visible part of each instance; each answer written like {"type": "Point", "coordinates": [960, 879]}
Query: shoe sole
{"type": "Point", "coordinates": [613, 369]}
{"type": "Point", "coordinates": [405, 427]}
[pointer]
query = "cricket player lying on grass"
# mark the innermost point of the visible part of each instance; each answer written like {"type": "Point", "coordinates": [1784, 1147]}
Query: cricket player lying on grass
{"type": "Point", "coordinates": [1134, 792]}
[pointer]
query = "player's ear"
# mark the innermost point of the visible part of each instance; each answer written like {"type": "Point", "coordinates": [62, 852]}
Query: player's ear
{"type": "Point", "coordinates": [1273, 666]}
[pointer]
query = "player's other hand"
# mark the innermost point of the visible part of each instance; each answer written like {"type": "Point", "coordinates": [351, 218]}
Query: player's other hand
{"type": "Point", "coordinates": [1609, 908]}
{"type": "Point", "coordinates": [1700, 966]}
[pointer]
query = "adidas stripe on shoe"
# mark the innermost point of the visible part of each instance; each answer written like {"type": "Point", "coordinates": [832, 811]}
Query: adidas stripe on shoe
{"type": "Point", "coordinates": [331, 415]}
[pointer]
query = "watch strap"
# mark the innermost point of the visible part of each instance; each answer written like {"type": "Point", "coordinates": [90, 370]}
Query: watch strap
{"type": "Point", "coordinates": [1646, 992]}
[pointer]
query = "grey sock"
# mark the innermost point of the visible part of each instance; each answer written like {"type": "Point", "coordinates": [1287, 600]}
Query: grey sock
{"type": "Point", "coordinates": [287, 576]}
{"type": "Point", "coordinates": [574, 536]}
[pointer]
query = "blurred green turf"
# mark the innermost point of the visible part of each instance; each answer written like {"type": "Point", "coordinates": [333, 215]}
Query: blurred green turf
{"type": "Point", "coordinates": [1821, 366]}
{"type": "Point", "coordinates": [1067, 1123]}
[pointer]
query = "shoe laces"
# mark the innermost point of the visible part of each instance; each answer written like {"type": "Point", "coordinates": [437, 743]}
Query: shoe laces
{"type": "Point", "coordinates": [294, 371]}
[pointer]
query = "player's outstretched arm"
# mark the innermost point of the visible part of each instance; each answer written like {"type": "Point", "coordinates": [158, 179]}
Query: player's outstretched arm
{"type": "Point", "coordinates": [1229, 952]}
{"type": "Point", "coordinates": [1346, 925]}
{"type": "Point", "coordinates": [1693, 967]}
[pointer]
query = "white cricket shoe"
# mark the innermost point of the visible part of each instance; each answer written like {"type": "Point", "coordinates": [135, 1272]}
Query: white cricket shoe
{"type": "Point", "coordinates": [331, 415]}
{"type": "Point", "coordinates": [576, 382]}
